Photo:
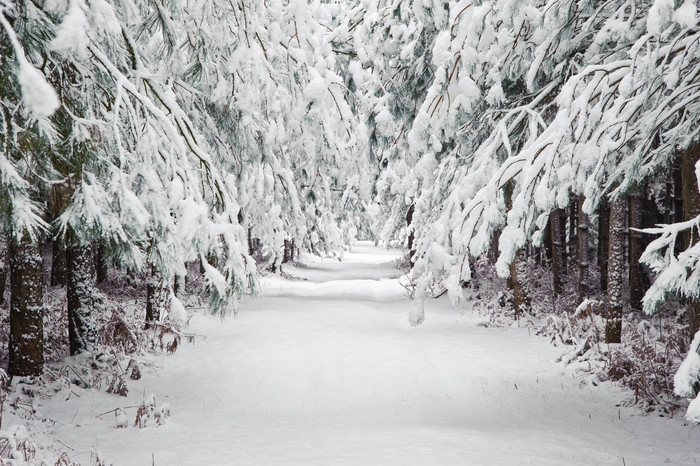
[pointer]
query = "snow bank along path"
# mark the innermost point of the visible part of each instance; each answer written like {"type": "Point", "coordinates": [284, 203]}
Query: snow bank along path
{"type": "Point", "coordinates": [327, 371]}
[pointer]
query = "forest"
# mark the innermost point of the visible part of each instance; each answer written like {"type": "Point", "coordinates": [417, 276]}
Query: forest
{"type": "Point", "coordinates": [167, 152]}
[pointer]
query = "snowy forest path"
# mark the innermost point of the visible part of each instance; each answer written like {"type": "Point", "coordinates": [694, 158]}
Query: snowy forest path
{"type": "Point", "coordinates": [325, 370]}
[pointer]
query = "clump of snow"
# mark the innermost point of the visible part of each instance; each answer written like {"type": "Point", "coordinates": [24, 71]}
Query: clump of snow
{"type": "Point", "coordinates": [215, 278]}
{"type": "Point", "coordinates": [659, 16]}
{"type": "Point", "coordinates": [495, 94]}
{"type": "Point", "coordinates": [687, 377]}
{"type": "Point", "coordinates": [417, 314]}
{"type": "Point", "coordinates": [687, 14]}
{"type": "Point", "coordinates": [120, 418]}
{"type": "Point", "coordinates": [38, 96]}
{"type": "Point", "coordinates": [71, 37]}
{"type": "Point", "coordinates": [177, 314]}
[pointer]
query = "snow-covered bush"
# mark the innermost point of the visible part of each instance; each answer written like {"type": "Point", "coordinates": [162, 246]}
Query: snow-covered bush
{"type": "Point", "coordinates": [687, 380]}
{"type": "Point", "coordinates": [148, 414]}
{"type": "Point", "coordinates": [645, 361]}
{"type": "Point", "coordinates": [648, 358]}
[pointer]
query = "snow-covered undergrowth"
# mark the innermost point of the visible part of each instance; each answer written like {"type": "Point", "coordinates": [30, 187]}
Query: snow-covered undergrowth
{"type": "Point", "coordinates": [651, 351]}
{"type": "Point", "coordinates": [125, 351]}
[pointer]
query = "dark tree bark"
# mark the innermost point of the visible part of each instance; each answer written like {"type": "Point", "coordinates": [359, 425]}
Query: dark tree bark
{"type": "Point", "coordinates": [101, 262]}
{"type": "Point", "coordinates": [557, 222]}
{"type": "Point", "coordinates": [26, 308]}
{"type": "Point", "coordinates": [411, 235]}
{"type": "Point", "coordinates": [80, 291]}
{"type": "Point", "coordinates": [691, 209]}
{"type": "Point", "coordinates": [58, 264]}
{"type": "Point", "coordinates": [639, 282]}
{"type": "Point", "coordinates": [584, 260]}
{"type": "Point", "coordinates": [59, 199]}
{"type": "Point", "coordinates": [4, 264]}
{"type": "Point", "coordinates": [288, 253]}
{"type": "Point", "coordinates": [677, 211]}
{"type": "Point", "coordinates": [572, 242]}
{"type": "Point", "coordinates": [603, 242]}
{"type": "Point", "coordinates": [545, 254]}
{"type": "Point", "coordinates": [616, 270]}
{"type": "Point", "coordinates": [157, 297]}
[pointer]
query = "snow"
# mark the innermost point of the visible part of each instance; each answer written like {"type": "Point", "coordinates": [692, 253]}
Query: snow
{"type": "Point", "coordinates": [37, 94]}
{"type": "Point", "coordinates": [325, 370]}
{"type": "Point", "coordinates": [659, 16]}
{"type": "Point", "coordinates": [687, 14]}
{"type": "Point", "coordinates": [72, 34]}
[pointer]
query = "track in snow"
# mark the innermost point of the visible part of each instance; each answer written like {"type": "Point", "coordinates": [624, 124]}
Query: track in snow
{"type": "Point", "coordinates": [327, 371]}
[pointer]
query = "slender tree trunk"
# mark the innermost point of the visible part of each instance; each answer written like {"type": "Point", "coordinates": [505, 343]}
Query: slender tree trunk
{"type": "Point", "coordinates": [26, 308]}
{"type": "Point", "coordinates": [603, 243]}
{"type": "Point", "coordinates": [411, 235]}
{"type": "Point", "coordinates": [288, 254]}
{"type": "Point", "coordinates": [59, 199]}
{"type": "Point", "coordinates": [558, 234]}
{"type": "Point", "coordinates": [545, 252]}
{"type": "Point", "coordinates": [80, 291]}
{"type": "Point", "coordinates": [637, 244]}
{"type": "Point", "coordinates": [584, 260]}
{"type": "Point", "coordinates": [101, 262]}
{"type": "Point", "coordinates": [519, 282]}
{"type": "Point", "coordinates": [4, 264]}
{"type": "Point", "coordinates": [492, 255]}
{"type": "Point", "coordinates": [157, 297]}
{"type": "Point", "coordinates": [58, 264]}
{"type": "Point", "coordinates": [616, 270]}
{"type": "Point", "coordinates": [573, 236]}
{"type": "Point", "coordinates": [691, 209]}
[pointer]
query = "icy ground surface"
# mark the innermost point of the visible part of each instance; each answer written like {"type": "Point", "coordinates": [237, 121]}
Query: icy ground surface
{"type": "Point", "coordinates": [327, 371]}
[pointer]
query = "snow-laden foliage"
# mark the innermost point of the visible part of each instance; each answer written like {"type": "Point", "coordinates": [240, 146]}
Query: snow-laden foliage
{"type": "Point", "coordinates": [557, 98]}
{"type": "Point", "coordinates": [181, 132]}
{"type": "Point", "coordinates": [489, 115]}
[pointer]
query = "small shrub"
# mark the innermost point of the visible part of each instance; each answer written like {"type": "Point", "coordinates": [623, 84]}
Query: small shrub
{"type": "Point", "coordinates": [148, 414]}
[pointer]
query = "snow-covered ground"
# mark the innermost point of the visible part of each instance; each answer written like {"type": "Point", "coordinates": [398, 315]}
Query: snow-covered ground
{"type": "Point", "coordinates": [326, 370]}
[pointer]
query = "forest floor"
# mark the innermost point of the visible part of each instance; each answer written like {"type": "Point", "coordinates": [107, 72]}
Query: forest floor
{"type": "Point", "coordinates": [324, 369]}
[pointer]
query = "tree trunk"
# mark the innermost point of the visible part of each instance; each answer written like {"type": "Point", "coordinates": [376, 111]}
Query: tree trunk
{"type": "Point", "coordinates": [80, 274]}
{"type": "Point", "coordinates": [26, 308]}
{"type": "Point", "coordinates": [558, 234]}
{"type": "Point", "coordinates": [59, 199]}
{"type": "Point", "coordinates": [518, 268]}
{"type": "Point", "coordinates": [573, 235]}
{"type": "Point", "coordinates": [288, 254]}
{"type": "Point", "coordinates": [691, 209]}
{"type": "Point", "coordinates": [603, 242]}
{"type": "Point", "coordinates": [411, 235]}
{"type": "Point", "coordinates": [101, 263]}
{"type": "Point", "coordinates": [3, 264]}
{"type": "Point", "coordinates": [637, 245]}
{"type": "Point", "coordinates": [157, 297]}
{"type": "Point", "coordinates": [583, 252]}
{"type": "Point", "coordinates": [58, 264]}
{"type": "Point", "coordinates": [616, 270]}
{"type": "Point", "coordinates": [518, 274]}
{"type": "Point", "coordinates": [545, 253]}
